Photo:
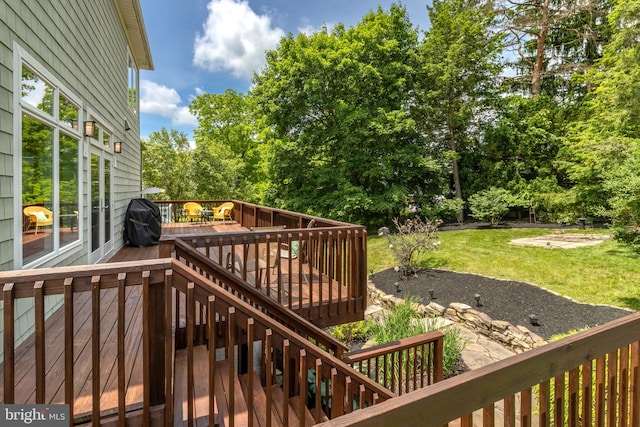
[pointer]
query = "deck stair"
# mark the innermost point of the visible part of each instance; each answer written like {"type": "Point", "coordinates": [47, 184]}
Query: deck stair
{"type": "Point", "coordinates": [243, 398]}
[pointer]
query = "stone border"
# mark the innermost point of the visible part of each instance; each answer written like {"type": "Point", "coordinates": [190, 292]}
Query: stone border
{"type": "Point", "coordinates": [517, 338]}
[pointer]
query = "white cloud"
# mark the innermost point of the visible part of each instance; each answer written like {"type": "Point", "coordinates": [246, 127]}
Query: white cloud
{"type": "Point", "coordinates": [164, 101]}
{"type": "Point", "coordinates": [235, 39]}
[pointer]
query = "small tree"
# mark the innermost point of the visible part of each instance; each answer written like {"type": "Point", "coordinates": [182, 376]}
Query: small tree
{"type": "Point", "coordinates": [413, 238]}
{"type": "Point", "coordinates": [491, 205]}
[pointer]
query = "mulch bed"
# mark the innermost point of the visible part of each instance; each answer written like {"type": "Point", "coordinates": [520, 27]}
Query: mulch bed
{"type": "Point", "coordinates": [500, 299]}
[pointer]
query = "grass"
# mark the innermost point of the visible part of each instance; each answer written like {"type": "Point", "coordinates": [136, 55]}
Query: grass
{"type": "Point", "coordinates": [608, 273]}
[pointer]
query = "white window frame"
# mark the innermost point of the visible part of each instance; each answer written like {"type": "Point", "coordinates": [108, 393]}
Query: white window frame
{"type": "Point", "coordinates": [22, 58]}
{"type": "Point", "coordinates": [133, 82]}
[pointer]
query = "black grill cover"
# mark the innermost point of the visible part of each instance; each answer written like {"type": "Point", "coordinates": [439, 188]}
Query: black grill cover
{"type": "Point", "coordinates": [142, 223]}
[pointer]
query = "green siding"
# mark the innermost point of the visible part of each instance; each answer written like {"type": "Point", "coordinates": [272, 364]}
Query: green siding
{"type": "Point", "coordinates": [84, 46]}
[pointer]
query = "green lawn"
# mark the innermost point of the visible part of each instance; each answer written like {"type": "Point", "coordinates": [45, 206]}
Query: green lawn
{"type": "Point", "coordinates": [608, 273]}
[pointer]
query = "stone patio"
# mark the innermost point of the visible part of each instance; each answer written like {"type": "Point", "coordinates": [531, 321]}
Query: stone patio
{"type": "Point", "coordinates": [562, 240]}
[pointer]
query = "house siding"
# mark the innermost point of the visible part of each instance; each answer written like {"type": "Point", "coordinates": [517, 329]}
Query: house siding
{"type": "Point", "coordinates": [85, 47]}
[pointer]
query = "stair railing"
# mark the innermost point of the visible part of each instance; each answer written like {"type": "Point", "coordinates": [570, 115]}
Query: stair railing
{"type": "Point", "coordinates": [262, 347]}
{"type": "Point", "coordinates": [204, 265]}
{"type": "Point", "coordinates": [404, 365]}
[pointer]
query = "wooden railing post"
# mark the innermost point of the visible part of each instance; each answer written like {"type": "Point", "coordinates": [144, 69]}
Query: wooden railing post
{"type": "Point", "coordinates": [156, 307]}
{"type": "Point", "coordinates": [166, 247]}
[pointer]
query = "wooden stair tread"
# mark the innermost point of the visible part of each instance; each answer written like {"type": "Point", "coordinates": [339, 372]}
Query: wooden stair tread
{"type": "Point", "coordinates": [240, 410]}
{"type": "Point", "coordinates": [201, 389]}
{"type": "Point", "coordinates": [259, 400]}
{"type": "Point", "coordinates": [308, 416]}
{"type": "Point", "coordinates": [278, 402]}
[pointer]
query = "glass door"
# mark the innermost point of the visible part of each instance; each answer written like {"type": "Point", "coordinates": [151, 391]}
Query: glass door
{"type": "Point", "coordinates": [100, 219]}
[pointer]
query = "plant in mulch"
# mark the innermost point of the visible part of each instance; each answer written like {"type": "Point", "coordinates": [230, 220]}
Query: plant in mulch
{"type": "Point", "coordinates": [403, 321]}
{"type": "Point", "coordinates": [354, 333]}
{"type": "Point", "coordinates": [413, 239]}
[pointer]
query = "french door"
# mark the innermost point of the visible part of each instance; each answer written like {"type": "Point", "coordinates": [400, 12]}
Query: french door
{"type": "Point", "coordinates": [101, 215]}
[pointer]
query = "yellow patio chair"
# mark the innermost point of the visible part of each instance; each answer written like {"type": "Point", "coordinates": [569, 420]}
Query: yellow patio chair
{"type": "Point", "coordinates": [38, 216]}
{"type": "Point", "coordinates": [223, 212]}
{"type": "Point", "coordinates": [193, 210]}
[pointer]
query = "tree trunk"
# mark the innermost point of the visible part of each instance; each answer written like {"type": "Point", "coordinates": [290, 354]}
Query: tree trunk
{"type": "Point", "coordinates": [536, 80]}
{"type": "Point", "coordinates": [453, 146]}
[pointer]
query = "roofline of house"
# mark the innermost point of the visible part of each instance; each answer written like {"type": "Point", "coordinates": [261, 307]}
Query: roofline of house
{"type": "Point", "coordinates": [131, 16]}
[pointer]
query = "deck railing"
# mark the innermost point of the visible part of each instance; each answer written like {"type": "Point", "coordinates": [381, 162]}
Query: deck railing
{"type": "Point", "coordinates": [402, 366]}
{"type": "Point", "coordinates": [243, 290]}
{"type": "Point", "coordinates": [246, 336]}
{"type": "Point", "coordinates": [591, 378]}
{"type": "Point", "coordinates": [286, 359]}
{"type": "Point", "coordinates": [318, 272]}
{"type": "Point", "coordinates": [60, 369]}
{"type": "Point", "coordinates": [248, 215]}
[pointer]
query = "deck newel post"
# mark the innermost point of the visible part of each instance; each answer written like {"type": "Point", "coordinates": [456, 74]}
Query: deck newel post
{"type": "Point", "coordinates": [121, 347]}
{"type": "Point", "coordinates": [38, 296]}
{"type": "Point", "coordinates": [9, 337]}
{"type": "Point", "coordinates": [168, 348]}
{"type": "Point", "coordinates": [156, 342]}
{"type": "Point", "coordinates": [166, 247]}
{"type": "Point", "coordinates": [68, 352]}
{"type": "Point", "coordinates": [95, 348]}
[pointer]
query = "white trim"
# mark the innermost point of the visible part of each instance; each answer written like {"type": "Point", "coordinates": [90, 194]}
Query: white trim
{"type": "Point", "coordinates": [22, 58]}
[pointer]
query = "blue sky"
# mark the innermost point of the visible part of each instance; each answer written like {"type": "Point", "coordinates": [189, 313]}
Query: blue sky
{"type": "Point", "coordinates": [208, 46]}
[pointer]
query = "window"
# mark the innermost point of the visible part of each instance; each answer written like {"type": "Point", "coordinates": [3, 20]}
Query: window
{"type": "Point", "coordinates": [133, 85]}
{"type": "Point", "coordinates": [50, 158]}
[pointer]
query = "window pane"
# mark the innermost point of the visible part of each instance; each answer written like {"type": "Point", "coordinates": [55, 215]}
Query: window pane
{"type": "Point", "coordinates": [36, 92]}
{"type": "Point", "coordinates": [68, 189]}
{"type": "Point", "coordinates": [107, 201]}
{"type": "Point", "coordinates": [37, 189]}
{"type": "Point", "coordinates": [68, 112]}
{"type": "Point", "coordinates": [133, 85]}
{"type": "Point", "coordinates": [96, 132]}
{"type": "Point", "coordinates": [95, 202]}
{"type": "Point", "coordinates": [106, 139]}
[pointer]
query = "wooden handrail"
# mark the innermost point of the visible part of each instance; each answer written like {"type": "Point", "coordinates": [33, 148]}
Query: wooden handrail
{"type": "Point", "coordinates": [236, 285]}
{"type": "Point", "coordinates": [330, 271]}
{"type": "Point", "coordinates": [612, 347]}
{"type": "Point", "coordinates": [158, 279]}
{"type": "Point", "coordinates": [404, 365]}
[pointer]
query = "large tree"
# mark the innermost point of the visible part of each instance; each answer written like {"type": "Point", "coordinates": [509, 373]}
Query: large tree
{"type": "Point", "coordinates": [554, 40]}
{"type": "Point", "coordinates": [459, 60]}
{"type": "Point", "coordinates": [167, 164]}
{"type": "Point", "coordinates": [601, 153]}
{"type": "Point", "coordinates": [226, 149]}
{"type": "Point", "coordinates": [343, 142]}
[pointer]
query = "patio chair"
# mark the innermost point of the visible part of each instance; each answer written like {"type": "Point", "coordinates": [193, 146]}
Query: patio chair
{"type": "Point", "coordinates": [263, 264]}
{"type": "Point", "coordinates": [193, 210]}
{"type": "Point", "coordinates": [223, 212]}
{"type": "Point", "coordinates": [39, 216]}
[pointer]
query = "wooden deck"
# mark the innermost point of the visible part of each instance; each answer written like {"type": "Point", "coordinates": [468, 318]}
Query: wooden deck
{"type": "Point", "coordinates": [54, 327]}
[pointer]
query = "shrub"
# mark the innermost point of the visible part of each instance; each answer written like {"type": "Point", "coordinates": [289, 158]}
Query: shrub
{"type": "Point", "coordinates": [354, 331]}
{"type": "Point", "coordinates": [403, 321]}
{"type": "Point", "coordinates": [491, 205]}
{"type": "Point", "coordinates": [413, 238]}
{"type": "Point", "coordinates": [443, 208]}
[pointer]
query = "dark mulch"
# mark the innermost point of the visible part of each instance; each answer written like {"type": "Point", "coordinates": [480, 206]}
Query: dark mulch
{"type": "Point", "coordinates": [500, 299]}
